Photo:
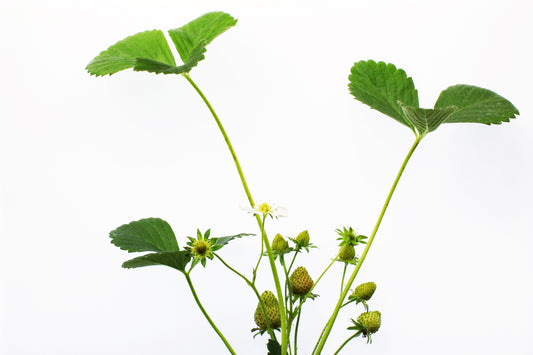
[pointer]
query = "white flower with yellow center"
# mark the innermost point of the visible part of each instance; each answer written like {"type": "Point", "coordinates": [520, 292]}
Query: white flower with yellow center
{"type": "Point", "coordinates": [266, 209]}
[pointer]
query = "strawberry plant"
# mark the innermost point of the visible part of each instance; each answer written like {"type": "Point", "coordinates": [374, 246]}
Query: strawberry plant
{"type": "Point", "coordinates": [381, 86]}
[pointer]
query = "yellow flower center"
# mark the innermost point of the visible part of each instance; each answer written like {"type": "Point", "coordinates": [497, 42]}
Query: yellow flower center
{"type": "Point", "coordinates": [265, 208]}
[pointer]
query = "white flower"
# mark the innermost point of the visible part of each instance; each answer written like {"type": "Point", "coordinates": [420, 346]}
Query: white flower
{"type": "Point", "coordinates": [268, 209]}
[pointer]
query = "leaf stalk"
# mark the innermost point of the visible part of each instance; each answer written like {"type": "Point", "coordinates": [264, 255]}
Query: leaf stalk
{"type": "Point", "coordinates": [333, 317]}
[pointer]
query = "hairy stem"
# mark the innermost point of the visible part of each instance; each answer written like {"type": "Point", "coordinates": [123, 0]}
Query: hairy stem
{"type": "Point", "coordinates": [189, 282]}
{"type": "Point", "coordinates": [284, 337]}
{"type": "Point", "coordinates": [333, 317]}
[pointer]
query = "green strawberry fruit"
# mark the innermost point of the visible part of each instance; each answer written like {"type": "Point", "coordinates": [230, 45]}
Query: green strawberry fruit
{"type": "Point", "coordinates": [300, 282]}
{"type": "Point", "coordinates": [347, 252]}
{"type": "Point", "coordinates": [371, 321]}
{"type": "Point", "coordinates": [303, 238]}
{"type": "Point", "coordinates": [279, 243]}
{"type": "Point", "coordinates": [363, 292]}
{"type": "Point", "coordinates": [272, 312]}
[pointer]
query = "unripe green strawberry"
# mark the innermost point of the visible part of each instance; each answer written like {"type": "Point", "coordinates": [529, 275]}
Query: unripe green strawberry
{"type": "Point", "coordinates": [300, 282]}
{"type": "Point", "coordinates": [303, 238]}
{"type": "Point", "coordinates": [371, 321]}
{"type": "Point", "coordinates": [363, 292]}
{"type": "Point", "coordinates": [272, 311]}
{"type": "Point", "coordinates": [279, 243]}
{"type": "Point", "coordinates": [347, 252]}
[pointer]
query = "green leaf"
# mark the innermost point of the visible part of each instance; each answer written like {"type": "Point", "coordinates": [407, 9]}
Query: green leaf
{"type": "Point", "coordinates": [476, 105]}
{"type": "Point", "coordinates": [174, 259]}
{"type": "Point", "coordinates": [152, 66]}
{"type": "Point", "coordinates": [150, 234]}
{"type": "Point", "coordinates": [381, 86]}
{"type": "Point", "coordinates": [220, 242]}
{"type": "Point", "coordinates": [200, 32]}
{"type": "Point", "coordinates": [150, 45]}
{"type": "Point", "coordinates": [427, 120]}
{"type": "Point", "coordinates": [273, 347]}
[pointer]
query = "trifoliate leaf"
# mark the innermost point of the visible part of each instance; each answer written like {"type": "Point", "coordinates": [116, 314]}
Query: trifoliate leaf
{"type": "Point", "coordinates": [150, 45]}
{"type": "Point", "coordinates": [476, 105]}
{"type": "Point", "coordinates": [152, 66]}
{"type": "Point", "coordinates": [381, 86]}
{"type": "Point", "coordinates": [200, 32]}
{"type": "Point", "coordinates": [174, 259]}
{"type": "Point", "coordinates": [150, 234]}
{"type": "Point", "coordinates": [427, 120]}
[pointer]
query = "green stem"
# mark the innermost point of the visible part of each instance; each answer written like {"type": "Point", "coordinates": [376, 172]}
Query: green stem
{"type": "Point", "coordinates": [226, 138]}
{"type": "Point", "coordinates": [254, 272]}
{"type": "Point", "coordinates": [343, 275]}
{"type": "Point", "coordinates": [365, 252]}
{"type": "Point", "coordinates": [296, 330]}
{"type": "Point", "coordinates": [284, 337]}
{"type": "Point", "coordinates": [345, 342]}
{"type": "Point", "coordinates": [249, 283]}
{"type": "Point", "coordinates": [292, 261]}
{"type": "Point", "coordinates": [187, 277]}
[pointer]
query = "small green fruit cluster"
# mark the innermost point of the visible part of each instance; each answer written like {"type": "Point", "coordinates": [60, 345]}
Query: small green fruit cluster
{"type": "Point", "coordinates": [300, 282]}
{"type": "Point", "coordinates": [272, 312]}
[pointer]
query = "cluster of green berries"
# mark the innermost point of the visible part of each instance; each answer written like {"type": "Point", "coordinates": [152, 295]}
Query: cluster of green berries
{"type": "Point", "coordinates": [272, 312]}
{"type": "Point", "coordinates": [368, 322]}
{"type": "Point", "coordinates": [281, 246]}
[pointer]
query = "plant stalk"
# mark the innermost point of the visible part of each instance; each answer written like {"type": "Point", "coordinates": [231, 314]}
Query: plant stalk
{"type": "Point", "coordinates": [284, 336]}
{"type": "Point", "coordinates": [189, 282]}
{"type": "Point", "coordinates": [333, 317]}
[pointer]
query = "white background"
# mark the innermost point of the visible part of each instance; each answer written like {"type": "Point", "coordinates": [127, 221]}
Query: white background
{"type": "Point", "coordinates": [80, 155]}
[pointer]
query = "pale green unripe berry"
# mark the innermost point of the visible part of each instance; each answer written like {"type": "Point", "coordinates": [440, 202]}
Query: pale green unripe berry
{"type": "Point", "coordinates": [300, 282]}
{"type": "Point", "coordinates": [371, 321]}
{"type": "Point", "coordinates": [347, 252]}
{"type": "Point", "coordinates": [363, 292]}
{"type": "Point", "coordinates": [303, 238]}
{"type": "Point", "coordinates": [272, 312]}
{"type": "Point", "coordinates": [279, 243]}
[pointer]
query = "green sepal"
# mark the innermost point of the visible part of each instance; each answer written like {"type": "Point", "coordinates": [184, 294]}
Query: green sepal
{"type": "Point", "coordinates": [381, 86]}
{"type": "Point", "coordinates": [149, 234]}
{"type": "Point", "coordinates": [476, 105]}
{"type": "Point", "coordinates": [149, 45]}
{"type": "Point", "coordinates": [199, 33]}
{"type": "Point", "coordinates": [174, 259]}
{"type": "Point", "coordinates": [427, 120]}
